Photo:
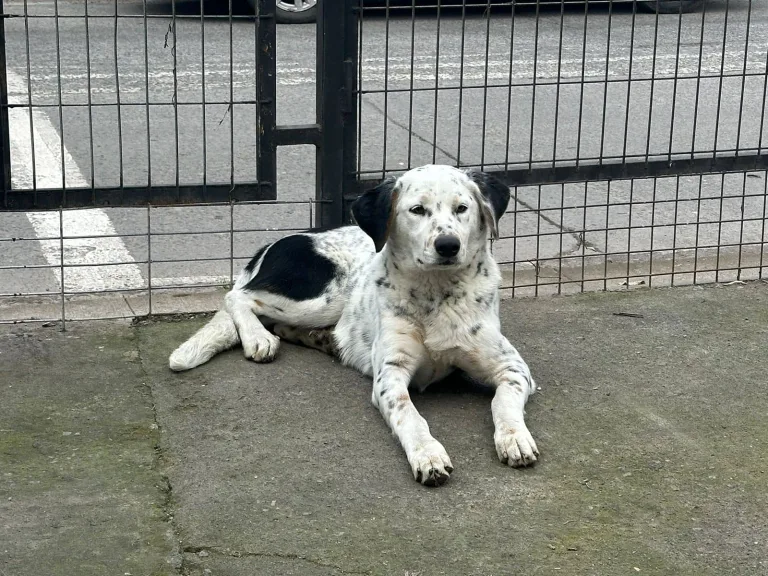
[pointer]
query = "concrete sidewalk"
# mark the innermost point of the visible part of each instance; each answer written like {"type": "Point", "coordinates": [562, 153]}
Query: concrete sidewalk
{"type": "Point", "coordinates": [651, 421]}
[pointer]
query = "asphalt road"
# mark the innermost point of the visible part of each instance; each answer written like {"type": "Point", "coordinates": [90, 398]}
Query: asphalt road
{"type": "Point", "coordinates": [640, 97]}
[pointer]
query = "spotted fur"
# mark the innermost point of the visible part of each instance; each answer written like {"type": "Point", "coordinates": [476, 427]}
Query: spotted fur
{"type": "Point", "coordinates": [406, 297]}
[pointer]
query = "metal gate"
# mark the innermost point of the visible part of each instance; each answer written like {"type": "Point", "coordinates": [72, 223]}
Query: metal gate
{"type": "Point", "coordinates": [634, 140]}
{"type": "Point", "coordinates": [634, 143]}
{"type": "Point", "coordinates": [334, 94]}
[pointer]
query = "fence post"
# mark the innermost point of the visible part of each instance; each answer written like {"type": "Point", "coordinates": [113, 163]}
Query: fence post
{"type": "Point", "coordinates": [266, 86]}
{"type": "Point", "coordinates": [5, 140]}
{"type": "Point", "coordinates": [336, 111]}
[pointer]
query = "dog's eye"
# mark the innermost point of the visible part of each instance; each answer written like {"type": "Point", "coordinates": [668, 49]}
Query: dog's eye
{"type": "Point", "coordinates": [461, 208]}
{"type": "Point", "coordinates": [418, 210]}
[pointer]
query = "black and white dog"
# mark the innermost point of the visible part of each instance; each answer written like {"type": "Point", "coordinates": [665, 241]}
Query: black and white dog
{"type": "Point", "coordinates": [407, 297]}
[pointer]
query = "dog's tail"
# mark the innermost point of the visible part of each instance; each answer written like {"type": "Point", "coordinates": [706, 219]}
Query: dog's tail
{"type": "Point", "coordinates": [218, 335]}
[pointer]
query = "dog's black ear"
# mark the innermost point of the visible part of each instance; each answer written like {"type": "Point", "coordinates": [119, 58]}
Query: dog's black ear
{"type": "Point", "coordinates": [374, 209]}
{"type": "Point", "coordinates": [495, 196]}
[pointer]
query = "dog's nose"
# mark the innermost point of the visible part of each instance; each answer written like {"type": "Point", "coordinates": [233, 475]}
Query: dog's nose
{"type": "Point", "coordinates": [447, 246]}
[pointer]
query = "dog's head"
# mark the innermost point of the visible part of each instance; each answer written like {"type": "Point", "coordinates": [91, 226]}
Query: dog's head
{"type": "Point", "coordinates": [433, 216]}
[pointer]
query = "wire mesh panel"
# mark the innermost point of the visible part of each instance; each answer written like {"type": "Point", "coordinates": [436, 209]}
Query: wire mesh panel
{"type": "Point", "coordinates": [633, 133]}
{"type": "Point", "coordinates": [123, 103]}
{"type": "Point", "coordinates": [150, 104]}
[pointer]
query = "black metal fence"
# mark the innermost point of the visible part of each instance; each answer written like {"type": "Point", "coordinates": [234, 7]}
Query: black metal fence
{"type": "Point", "coordinates": [634, 142]}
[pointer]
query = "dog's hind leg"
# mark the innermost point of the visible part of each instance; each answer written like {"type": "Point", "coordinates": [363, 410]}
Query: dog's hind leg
{"type": "Point", "coordinates": [317, 338]}
{"type": "Point", "coordinates": [258, 344]}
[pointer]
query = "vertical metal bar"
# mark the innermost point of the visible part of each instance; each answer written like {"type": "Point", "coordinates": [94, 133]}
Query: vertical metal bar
{"type": "Point", "coordinates": [743, 81]}
{"type": "Point", "coordinates": [558, 81]}
{"type": "Point", "coordinates": [485, 82]}
{"type": "Point", "coordinates": [721, 76]}
{"type": "Point", "coordinates": [762, 229]}
{"type": "Point", "coordinates": [29, 98]}
{"type": "Point", "coordinates": [461, 80]}
{"type": "Point", "coordinates": [353, 18]}
{"type": "Point", "coordinates": [509, 102]}
{"type": "Point", "coordinates": [175, 98]}
{"type": "Point", "coordinates": [149, 258]}
{"type": "Point", "coordinates": [336, 77]}
{"type": "Point", "coordinates": [5, 138]}
{"type": "Point", "coordinates": [674, 228]}
{"type": "Point", "coordinates": [266, 80]}
{"type": "Point", "coordinates": [231, 149]}
{"type": "Point", "coordinates": [629, 229]}
{"type": "Point", "coordinates": [648, 143]}
{"type": "Point", "coordinates": [359, 85]}
{"type": "Point", "coordinates": [532, 126]}
{"type": "Point", "coordinates": [650, 97]}
{"type": "Point", "coordinates": [146, 104]}
{"type": "Point", "coordinates": [698, 229]}
{"type": "Point", "coordinates": [514, 233]}
{"type": "Point", "coordinates": [629, 89]}
{"type": "Point", "coordinates": [674, 97]}
{"type": "Point", "coordinates": [386, 89]}
{"type": "Point", "coordinates": [607, 224]}
{"type": "Point", "coordinates": [410, 91]}
{"type": "Point", "coordinates": [584, 234]}
{"type": "Point", "coordinates": [606, 83]}
{"type": "Point", "coordinates": [437, 85]}
{"type": "Point", "coordinates": [231, 243]}
{"type": "Point", "coordinates": [693, 141]}
{"type": "Point", "coordinates": [231, 103]}
{"type": "Point", "coordinates": [562, 235]}
{"type": "Point", "coordinates": [738, 134]}
{"type": "Point", "coordinates": [741, 223]}
{"type": "Point", "coordinates": [581, 84]}
{"type": "Point", "coordinates": [61, 108]}
{"type": "Point", "coordinates": [91, 145]}
{"type": "Point", "coordinates": [119, 105]}
{"type": "Point", "coordinates": [61, 269]}
{"type": "Point", "coordinates": [698, 81]}
{"type": "Point", "coordinates": [720, 225]}
{"type": "Point", "coordinates": [202, 79]}
{"type": "Point", "coordinates": [653, 228]}
{"type": "Point", "coordinates": [717, 133]}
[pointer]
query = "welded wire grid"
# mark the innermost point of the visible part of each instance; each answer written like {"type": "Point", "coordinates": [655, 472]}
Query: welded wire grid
{"type": "Point", "coordinates": [539, 91]}
{"type": "Point", "coordinates": [479, 85]}
{"type": "Point", "coordinates": [136, 273]}
{"type": "Point", "coordinates": [120, 95]}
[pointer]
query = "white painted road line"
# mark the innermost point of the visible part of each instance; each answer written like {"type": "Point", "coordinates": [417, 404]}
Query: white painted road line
{"type": "Point", "coordinates": [451, 69]}
{"type": "Point", "coordinates": [92, 222]}
{"type": "Point", "coordinates": [80, 254]}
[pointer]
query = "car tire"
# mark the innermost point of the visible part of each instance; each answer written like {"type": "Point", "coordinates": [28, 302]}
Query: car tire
{"type": "Point", "coordinates": [671, 6]}
{"type": "Point", "coordinates": [289, 17]}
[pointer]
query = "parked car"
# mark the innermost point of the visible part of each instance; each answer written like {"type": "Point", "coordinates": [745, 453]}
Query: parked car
{"type": "Point", "coordinates": [304, 11]}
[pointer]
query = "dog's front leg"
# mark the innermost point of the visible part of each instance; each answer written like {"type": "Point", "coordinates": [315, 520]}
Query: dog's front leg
{"type": "Point", "coordinates": [396, 356]}
{"type": "Point", "coordinates": [495, 361]}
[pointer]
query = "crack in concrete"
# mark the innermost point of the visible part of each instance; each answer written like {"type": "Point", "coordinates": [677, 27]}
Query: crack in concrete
{"type": "Point", "coordinates": [578, 235]}
{"type": "Point", "coordinates": [228, 552]}
{"type": "Point", "coordinates": [411, 131]}
{"type": "Point", "coordinates": [176, 558]}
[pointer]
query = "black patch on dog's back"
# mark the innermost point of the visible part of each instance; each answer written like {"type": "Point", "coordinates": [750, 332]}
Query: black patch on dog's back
{"type": "Point", "coordinates": [292, 268]}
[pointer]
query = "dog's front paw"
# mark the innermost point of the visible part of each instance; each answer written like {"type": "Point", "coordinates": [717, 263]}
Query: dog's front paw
{"type": "Point", "coordinates": [261, 349]}
{"type": "Point", "coordinates": [515, 446]}
{"type": "Point", "coordinates": [430, 464]}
